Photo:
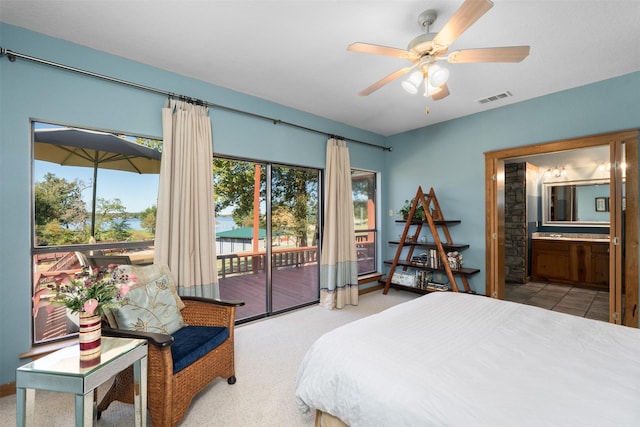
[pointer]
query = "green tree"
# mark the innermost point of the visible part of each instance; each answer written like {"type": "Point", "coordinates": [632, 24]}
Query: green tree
{"type": "Point", "coordinates": [293, 190]}
{"type": "Point", "coordinates": [151, 143]}
{"type": "Point", "coordinates": [60, 212]}
{"type": "Point", "coordinates": [148, 219]}
{"type": "Point", "coordinates": [53, 233]}
{"type": "Point", "coordinates": [297, 191]}
{"type": "Point", "coordinates": [233, 187]}
{"type": "Point", "coordinates": [61, 200]}
{"type": "Point", "coordinates": [111, 220]}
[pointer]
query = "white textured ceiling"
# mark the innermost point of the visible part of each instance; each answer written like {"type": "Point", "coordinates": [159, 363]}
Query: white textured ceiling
{"type": "Point", "coordinates": [294, 52]}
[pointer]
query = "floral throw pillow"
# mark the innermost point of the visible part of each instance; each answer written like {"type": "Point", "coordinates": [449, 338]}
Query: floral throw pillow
{"type": "Point", "coordinates": [148, 273]}
{"type": "Point", "coordinates": [150, 308]}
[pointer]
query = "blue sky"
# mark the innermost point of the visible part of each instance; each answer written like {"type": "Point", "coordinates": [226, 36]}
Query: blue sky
{"type": "Point", "coordinates": [136, 191]}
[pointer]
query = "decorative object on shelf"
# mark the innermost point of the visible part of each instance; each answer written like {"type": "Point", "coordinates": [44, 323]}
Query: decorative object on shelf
{"type": "Point", "coordinates": [455, 260]}
{"type": "Point", "coordinates": [434, 261]}
{"type": "Point", "coordinates": [404, 211]}
{"type": "Point", "coordinates": [423, 278]}
{"type": "Point", "coordinates": [439, 287]}
{"type": "Point", "coordinates": [421, 259]}
{"type": "Point", "coordinates": [88, 293]}
{"type": "Point", "coordinates": [404, 279]}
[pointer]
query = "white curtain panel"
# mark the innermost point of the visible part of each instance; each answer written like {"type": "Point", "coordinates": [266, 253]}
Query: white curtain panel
{"type": "Point", "coordinates": [338, 262]}
{"type": "Point", "coordinates": [185, 223]}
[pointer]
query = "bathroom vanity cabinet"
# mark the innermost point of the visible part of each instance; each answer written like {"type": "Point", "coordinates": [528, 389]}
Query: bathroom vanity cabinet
{"type": "Point", "coordinates": [573, 261]}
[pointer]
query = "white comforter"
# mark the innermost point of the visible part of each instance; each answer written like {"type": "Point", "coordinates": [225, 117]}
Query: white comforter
{"type": "Point", "coordinates": [448, 359]}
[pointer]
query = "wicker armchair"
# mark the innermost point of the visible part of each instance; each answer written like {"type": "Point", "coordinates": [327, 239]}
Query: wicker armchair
{"type": "Point", "coordinates": [169, 395]}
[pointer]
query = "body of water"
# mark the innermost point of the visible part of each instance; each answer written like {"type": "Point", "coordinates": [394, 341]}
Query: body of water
{"type": "Point", "coordinates": [223, 223]}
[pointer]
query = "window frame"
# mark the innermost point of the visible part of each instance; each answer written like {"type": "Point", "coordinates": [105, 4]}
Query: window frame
{"type": "Point", "coordinates": [37, 250]}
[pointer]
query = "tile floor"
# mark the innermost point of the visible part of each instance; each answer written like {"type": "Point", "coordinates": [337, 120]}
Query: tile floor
{"type": "Point", "coordinates": [579, 301]}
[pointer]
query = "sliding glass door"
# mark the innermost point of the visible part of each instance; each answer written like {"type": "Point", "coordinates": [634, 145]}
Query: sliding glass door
{"type": "Point", "coordinates": [239, 192]}
{"type": "Point", "coordinates": [294, 236]}
{"type": "Point", "coordinates": [266, 235]}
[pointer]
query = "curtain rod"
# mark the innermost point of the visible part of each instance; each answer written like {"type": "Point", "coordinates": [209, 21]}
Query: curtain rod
{"type": "Point", "coordinates": [11, 55]}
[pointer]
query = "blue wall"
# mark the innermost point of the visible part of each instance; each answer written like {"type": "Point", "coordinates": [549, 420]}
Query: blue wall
{"type": "Point", "coordinates": [30, 90]}
{"type": "Point", "coordinates": [450, 156]}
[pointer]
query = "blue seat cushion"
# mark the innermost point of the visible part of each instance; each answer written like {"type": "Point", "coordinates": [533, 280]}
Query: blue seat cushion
{"type": "Point", "coordinates": [190, 343]}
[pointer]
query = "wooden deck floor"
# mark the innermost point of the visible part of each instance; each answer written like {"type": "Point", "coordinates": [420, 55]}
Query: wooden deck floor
{"type": "Point", "coordinates": [292, 286]}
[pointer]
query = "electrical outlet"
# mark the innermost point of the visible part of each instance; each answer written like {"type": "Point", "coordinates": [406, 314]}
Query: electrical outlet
{"type": "Point", "coordinates": [390, 212]}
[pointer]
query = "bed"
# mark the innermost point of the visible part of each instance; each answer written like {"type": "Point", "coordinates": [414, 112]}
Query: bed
{"type": "Point", "coordinates": [454, 359]}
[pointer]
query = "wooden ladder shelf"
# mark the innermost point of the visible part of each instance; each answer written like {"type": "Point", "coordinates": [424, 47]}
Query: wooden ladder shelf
{"type": "Point", "coordinates": [409, 239]}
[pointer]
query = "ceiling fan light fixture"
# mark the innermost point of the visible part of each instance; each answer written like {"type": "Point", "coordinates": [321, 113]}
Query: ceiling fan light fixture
{"type": "Point", "coordinates": [429, 89]}
{"type": "Point", "coordinates": [438, 75]}
{"type": "Point", "coordinates": [426, 49]}
{"type": "Point", "coordinates": [412, 84]}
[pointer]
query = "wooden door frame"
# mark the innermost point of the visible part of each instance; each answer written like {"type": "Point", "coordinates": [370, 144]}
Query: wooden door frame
{"type": "Point", "coordinates": [494, 219]}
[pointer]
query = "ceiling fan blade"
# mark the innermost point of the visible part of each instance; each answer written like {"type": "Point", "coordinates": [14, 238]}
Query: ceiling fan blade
{"type": "Point", "coordinates": [377, 85]}
{"type": "Point", "coordinates": [441, 93]}
{"type": "Point", "coordinates": [491, 54]}
{"type": "Point", "coordinates": [382, 50]}
{"type": "Point", "coordinates": [465, 16]}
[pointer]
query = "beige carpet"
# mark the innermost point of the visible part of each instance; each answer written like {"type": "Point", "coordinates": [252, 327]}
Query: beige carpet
{"type": "Point", "coordinates": [268, 353]}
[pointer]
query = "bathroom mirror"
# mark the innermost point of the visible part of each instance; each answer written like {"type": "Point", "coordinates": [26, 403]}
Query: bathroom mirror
{"type": "Point", "coordinates": [576, 203]}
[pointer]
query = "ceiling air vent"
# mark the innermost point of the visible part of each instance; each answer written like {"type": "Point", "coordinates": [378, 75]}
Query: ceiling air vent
{"type": "Point", "coordinates": [497, 97]}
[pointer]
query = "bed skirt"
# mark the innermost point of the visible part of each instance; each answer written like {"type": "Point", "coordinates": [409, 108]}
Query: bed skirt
{"type": "Point", "coordinates": [324, 419]}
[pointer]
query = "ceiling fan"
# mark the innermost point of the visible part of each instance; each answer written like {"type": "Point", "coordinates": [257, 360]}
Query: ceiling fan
{"type": "Point", "coordinates": [424, 50]}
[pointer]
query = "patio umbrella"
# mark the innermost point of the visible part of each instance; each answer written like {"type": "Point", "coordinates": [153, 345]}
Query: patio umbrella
{"type": "Point", "coordinates": [80, 147]}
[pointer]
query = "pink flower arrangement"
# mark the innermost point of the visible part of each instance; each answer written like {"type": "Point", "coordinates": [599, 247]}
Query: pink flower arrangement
{"type": "Point", "coordinates": [455, 259]}
{"type": "Point", "coordinates": [89, 291]}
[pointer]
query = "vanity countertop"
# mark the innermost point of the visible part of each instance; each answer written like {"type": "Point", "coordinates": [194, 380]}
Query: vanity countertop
{"type": "Point", "coordinates": [590, 237]}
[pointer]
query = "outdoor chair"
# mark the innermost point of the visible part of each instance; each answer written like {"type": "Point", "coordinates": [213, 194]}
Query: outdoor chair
{"type": "Point", "coordinates": [180, 363]}
{"type": "Point", "coordinates": [105, 260]}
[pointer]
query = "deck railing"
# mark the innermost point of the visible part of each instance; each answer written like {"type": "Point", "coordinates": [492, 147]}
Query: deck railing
{"type": "Point", "coordinates": [253, 262]}
{"type": "Point", "coordinates": [228, 264]}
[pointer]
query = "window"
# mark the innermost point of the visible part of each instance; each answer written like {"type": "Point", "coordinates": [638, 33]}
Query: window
{"type": "Point", "coordinates": [363, 185]}
{"type": "Point", "coordinates": [94, 193]}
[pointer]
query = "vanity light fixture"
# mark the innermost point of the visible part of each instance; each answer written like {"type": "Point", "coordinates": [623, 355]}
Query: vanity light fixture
{"type": "Point", "coordinates": [558, 171]}
{"type": "Point", "coordinates": [606, 167]}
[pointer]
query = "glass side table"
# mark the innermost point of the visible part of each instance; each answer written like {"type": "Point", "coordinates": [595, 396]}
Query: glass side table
{"type": "Point", "coordinates": [61, 371]}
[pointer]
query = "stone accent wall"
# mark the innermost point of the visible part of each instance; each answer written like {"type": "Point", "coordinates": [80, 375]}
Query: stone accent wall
{"type": "Point", "coordinates": [515, 222]}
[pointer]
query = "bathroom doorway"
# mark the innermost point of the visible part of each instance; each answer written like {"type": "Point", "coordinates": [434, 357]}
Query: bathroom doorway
{"type": "Point", "coordinates": [623, 272]}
